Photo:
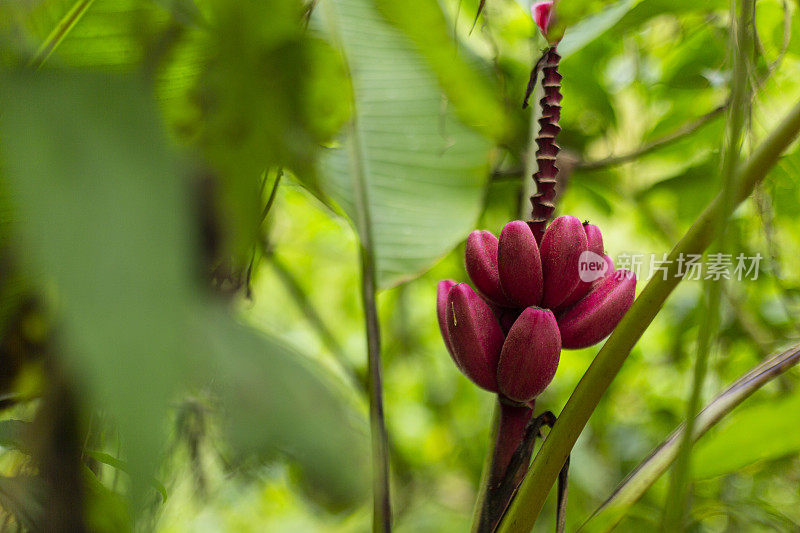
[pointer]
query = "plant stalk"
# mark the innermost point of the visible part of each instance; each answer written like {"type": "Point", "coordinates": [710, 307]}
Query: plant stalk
{"type": "Point", "coordinates": [546, 177]}
{"type": "Point", "coordinates": [381, 501]}
{"type": "Point", "coordinates": [511, 432]}
{"type": "Point", "coordinates": [382, 513]}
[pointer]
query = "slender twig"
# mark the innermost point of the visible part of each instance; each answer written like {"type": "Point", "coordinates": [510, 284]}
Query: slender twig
{"type": "Point", "coordinates": [523, 512]}
{"type": "Point", "coordinates": [481, 5]}
{"type": "Point", "coordinates": [308, 10]}
{"type": "Point", "coordinates": [380, 449]}
{"type": "Point", "coordinates": [674, 508]}
{"type": "Point", "coordinates": [643, 476]}
{"type": "Point", "coordinates": [58, 33]}
{"type": "Point", "coordinates": [563, 490]}
{"type": "Point", "coordinates": [599, 164]}
{"type": "Point", "coordinates": [763, 203]}
{"type": "Point", "coordinates": [272, 194]}
{"type": "Point", "coordinates": [680, 133]}
{"type": "Point", "coordinates": [264, 213]}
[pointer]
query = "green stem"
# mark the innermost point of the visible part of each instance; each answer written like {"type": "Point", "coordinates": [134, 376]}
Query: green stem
{"type": "Point", "coordinates": [675, 505]}
{"type": "Point", "coordinates": [381, 512]}
{"type": "Point", "coordinates": [532, 493]}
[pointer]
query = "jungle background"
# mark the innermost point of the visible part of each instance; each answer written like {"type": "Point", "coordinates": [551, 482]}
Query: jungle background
{"type": "Point", "coordinates": [184, 239]}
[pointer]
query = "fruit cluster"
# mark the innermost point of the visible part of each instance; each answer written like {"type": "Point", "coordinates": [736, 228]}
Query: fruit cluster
{"type": "Point", "coordinates": [534, 298]}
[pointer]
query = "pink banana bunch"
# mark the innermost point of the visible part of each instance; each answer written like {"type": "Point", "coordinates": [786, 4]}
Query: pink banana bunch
{"type": "Point", "coordinates": [533, 299]}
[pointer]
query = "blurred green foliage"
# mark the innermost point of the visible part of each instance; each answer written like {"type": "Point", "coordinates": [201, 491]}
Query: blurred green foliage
{"type": "Point", "coordinates": [219, 349]}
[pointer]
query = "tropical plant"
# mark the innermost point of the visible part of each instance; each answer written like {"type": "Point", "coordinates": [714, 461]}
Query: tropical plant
{"type": "Point", "coordinates": [224, 224]}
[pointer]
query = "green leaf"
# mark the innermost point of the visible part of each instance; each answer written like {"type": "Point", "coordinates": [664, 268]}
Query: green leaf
{"type": "Point", "coordinates": [107, 510]}
{"type": "Point", "coordinates": [641, 478]}
{"type": "Point", "coordinates": [248, 86]}
{"type": "Point", "coordinates": [425, 172]}
{"type": "Point", "coordinates": [102, 216]}
{"type": "Point", "coordinates": [112, 34]}
{"type": "Point", "coordinates": [103, 219]}
{"type": "Point", "coordinates": [590, 28]}
{"type": "Point", "coordinates": [688, 191]}
{"type": "Point", "coordinates": [253, 90]}
{"type": "Point", "coordinates": [648, 9]}
{"type": "Point", "coordinates": [759, 433]}
{"type": "Point", "coordinates": [121, 465]}
{"type": "Point", "coordinates": [277, 399]}
{"type": "Point", "coordinates": [476, 100]}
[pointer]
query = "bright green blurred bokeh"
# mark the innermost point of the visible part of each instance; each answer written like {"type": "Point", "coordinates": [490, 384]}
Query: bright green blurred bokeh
{"type": "Point", "coordinates": [250, 409]}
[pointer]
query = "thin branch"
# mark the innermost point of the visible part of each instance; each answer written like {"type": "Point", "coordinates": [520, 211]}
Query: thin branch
{"type": "Point", "coordinates": [59, 32]}
{"type": "Point", "coordinates": [680, 133]}
{"type": "Point", "coordinates": [525, 509]}
{"type": "Point", "coordinates": [563, 491]}
{"type": "Point", "coordinates": [481, 5]}
{"type": "Point", "coordinates": [308, 10]}
{"type": "Point", "coordinates": [382, 515]}
{"type": "Point", "coordinates": [272, 194]}
{"type": "Point", "coordinates": [264, 213]}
